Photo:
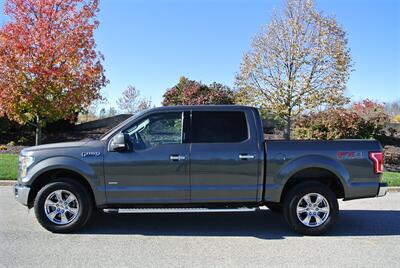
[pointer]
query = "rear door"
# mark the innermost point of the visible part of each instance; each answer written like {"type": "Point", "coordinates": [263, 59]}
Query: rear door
{"type": "Point", "coordinates": [224, 157]}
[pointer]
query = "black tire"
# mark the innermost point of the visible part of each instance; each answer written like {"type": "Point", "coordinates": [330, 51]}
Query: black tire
{"type": "Point", "coordinates": [83, 199]}
{"type": "Point", "coordinates": [274, 207]}
{"type": "Point", "coordinates": [293, 198]}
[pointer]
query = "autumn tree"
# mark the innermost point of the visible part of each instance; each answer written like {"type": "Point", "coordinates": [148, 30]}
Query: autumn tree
{"type": "Point", "coordinates": [49, 68]}
{"type": "Point", "coordinates": [298, 62]}
{"type": "Point", "coordinates": [131, 102]}
{"type": "Point", "coordinates": [190, 92]}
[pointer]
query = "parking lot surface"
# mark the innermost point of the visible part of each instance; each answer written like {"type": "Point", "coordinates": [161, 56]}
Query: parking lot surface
{"type": "Point", "coordinates": [367, 234]}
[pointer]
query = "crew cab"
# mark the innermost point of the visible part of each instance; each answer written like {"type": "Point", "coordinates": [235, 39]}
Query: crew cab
{"type": "Point", "coordinates": [197, 159]}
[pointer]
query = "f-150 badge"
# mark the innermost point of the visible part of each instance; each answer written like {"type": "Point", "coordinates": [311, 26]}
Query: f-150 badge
{"type": "Point", "coordinates": [350, 155]}
{"type": "Point", "coordinates": [87, 154]}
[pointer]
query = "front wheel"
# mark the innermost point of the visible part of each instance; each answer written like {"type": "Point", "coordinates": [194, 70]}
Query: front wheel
{"type": "Point", "coordinates": [311, 208]}
{"type": "Point", "coordinates": [63, 206]}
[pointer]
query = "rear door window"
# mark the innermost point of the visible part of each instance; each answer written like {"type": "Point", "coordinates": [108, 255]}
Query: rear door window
{"type": "Point", "coordinates": [219, 127]}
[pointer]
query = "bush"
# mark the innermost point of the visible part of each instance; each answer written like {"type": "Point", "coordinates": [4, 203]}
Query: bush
{"type": "Point", "coordinates": [363, 120]}
{"type": "Point", "coordinates": [374, 116]}
{"type": "Point", "coordinates": [328, 125]}
{"type": "Point", "coordinates": [392, 155]}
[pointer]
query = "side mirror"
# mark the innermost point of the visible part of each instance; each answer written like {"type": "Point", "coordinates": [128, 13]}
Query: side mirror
{"type": "Point", "coordinates": [118, 142]}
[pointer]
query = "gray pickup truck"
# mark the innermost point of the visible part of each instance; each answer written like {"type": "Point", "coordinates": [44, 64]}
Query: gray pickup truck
{"type": "Point", "coordinates": [197, 159]}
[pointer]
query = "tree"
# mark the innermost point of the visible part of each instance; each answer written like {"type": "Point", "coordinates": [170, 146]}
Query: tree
{"type": "Point", "coordinates": [299, 62]}
{"type": "Point", "coordinates": [190, 92]}
{"type": "Point", "coordinates": [49, 68]}
{"type": "Point", "coordinates": [131, 101]}
{"type": "Point", "coordinates": [112, 111]}
{"type": "Point", "coordinates": [393, 109]}
{"type": "Point", "coordinates": [102, 113]}
{"type": "Point", "coordinates": [144, 104]}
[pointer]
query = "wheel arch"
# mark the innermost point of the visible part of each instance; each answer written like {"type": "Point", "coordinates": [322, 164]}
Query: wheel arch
{"type": "Point", "coordinates": [51, 175]}
{"type": "Point", "coordinates": [315, 174]}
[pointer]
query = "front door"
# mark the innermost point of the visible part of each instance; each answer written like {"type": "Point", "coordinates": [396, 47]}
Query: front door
{"type": "Point", "coordinates": [154, 169]}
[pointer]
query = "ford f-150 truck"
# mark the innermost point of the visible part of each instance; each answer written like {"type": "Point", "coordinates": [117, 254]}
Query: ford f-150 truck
{"type": "Point", "coordinates": [197, 159]}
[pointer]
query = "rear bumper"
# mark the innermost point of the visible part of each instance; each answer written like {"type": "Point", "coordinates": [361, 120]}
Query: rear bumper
{"type": "Point", "coordinates": [21, 194]}
{"type": "Point", "coordinates": [383, 188]}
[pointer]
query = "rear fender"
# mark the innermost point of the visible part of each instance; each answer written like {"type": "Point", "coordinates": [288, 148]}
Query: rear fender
{"type": "Point", "coordinates": [275, 185]}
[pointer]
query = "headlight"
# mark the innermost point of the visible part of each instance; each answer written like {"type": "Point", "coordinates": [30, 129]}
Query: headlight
{"type": "Point", "coordinates": [24, 163]}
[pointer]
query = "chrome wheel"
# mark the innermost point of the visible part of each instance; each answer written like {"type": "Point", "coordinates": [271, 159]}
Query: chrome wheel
{"type": "Point", "coordinates": [313, 209]}
{"type": "Point", "coordinates": [61, 207]}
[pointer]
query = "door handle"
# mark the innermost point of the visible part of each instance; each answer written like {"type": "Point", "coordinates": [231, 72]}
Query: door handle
{"type": "Point", "coordinates": [177, 157]}
{"type": "Point", "coordinates": [246, 156]}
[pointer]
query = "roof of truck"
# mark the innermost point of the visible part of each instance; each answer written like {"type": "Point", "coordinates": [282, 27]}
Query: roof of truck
{"type": "Point", "coordinates": [202, 107]}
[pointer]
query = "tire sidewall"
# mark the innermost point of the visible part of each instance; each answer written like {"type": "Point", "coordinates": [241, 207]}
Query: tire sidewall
{"type": "Point", "coordinates": [84, 212]}
{"type": "Point", "coordinates": [294, 197]}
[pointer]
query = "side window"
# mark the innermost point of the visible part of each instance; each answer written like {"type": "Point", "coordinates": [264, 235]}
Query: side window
{"type": "Point", "coordinates": [219, 127]}
{"type": "Point", "coordinates": [156, 129]}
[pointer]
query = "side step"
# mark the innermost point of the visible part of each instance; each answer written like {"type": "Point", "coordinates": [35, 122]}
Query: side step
{"type": "Point", "coordinates": [176, 210]}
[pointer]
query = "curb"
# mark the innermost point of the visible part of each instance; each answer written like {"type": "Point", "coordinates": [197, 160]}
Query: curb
{"type": "Point", "coordinates": [7, 182]}
{"type": "Point", "coordinates": [392, 189]}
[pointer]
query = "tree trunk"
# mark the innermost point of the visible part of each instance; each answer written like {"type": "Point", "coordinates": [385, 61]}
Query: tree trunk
{"type": "Point", "coordinates": [287, 129]}
{"type": "Point", "coordinates": [38, 134]}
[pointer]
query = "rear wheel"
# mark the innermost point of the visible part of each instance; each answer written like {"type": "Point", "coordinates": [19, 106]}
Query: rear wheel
{"type": "Point", "coordinates": [311, 208]}
{"type": "Point", "coordinates": [63, 206]}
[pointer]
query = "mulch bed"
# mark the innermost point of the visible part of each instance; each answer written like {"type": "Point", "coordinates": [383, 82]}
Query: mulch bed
{"type": "Point", "coordinates": [9, 149]}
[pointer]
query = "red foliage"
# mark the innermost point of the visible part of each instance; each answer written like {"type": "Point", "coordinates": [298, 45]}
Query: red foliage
{"type": "Point", "coordinates": [363, 120]}
{"type": "Point", "coordinates": [49, 68]}
{"type": "Point", "coordinates": [331, 124]}
{"type": "Point", "coordinates": [189, 92]}
{"type": "Point", "coordinates": [373, 114]}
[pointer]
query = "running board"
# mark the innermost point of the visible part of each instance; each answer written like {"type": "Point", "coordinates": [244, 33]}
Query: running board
{"type": "Point", "coordinates": [176, 210]}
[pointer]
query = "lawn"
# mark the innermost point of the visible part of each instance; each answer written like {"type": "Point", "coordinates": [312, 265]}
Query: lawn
{"type": "Point", "coordinates": [8, 166]}
{"type": "Point", "coordinates": [392, 178]}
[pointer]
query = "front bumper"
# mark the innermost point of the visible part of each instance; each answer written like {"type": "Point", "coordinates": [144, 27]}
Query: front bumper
{"type": "Point", "coordinates": [21, 193]}
{"type": "Point", "coordinates": [383, 188]}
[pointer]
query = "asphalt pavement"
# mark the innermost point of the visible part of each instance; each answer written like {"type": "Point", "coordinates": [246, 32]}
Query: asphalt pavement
{"type": "Point", "coordinates": [367, 234]}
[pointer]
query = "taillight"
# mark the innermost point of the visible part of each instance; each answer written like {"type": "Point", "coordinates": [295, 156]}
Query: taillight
{"type": "Point", "coordinates": [377, 159]}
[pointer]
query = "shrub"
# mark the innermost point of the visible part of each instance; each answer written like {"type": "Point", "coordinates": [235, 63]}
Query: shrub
{"type": "Point", "coordinates": [11, 143]}
{"type": "Point", "coordinates": [363, 120]}
{"type": "Point", "coordinates": [330, 124]}
{"type": "Point", "coordinates": [374, 116]}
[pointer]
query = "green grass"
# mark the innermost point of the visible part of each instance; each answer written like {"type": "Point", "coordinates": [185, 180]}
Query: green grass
{"type": "Point", "coordinates": [392, 178]}
{"type": "Point", "coordinates": [8, 166]}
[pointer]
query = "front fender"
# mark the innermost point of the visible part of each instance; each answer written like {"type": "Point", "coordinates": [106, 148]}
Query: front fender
{"type": "Point", "coordinates": [67, 163]}
{"type": "Point", "coordinates": [276, 183]}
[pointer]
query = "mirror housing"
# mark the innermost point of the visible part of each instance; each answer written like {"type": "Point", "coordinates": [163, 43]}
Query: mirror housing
{"type": "Point", "coordinates": [118, 142]}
